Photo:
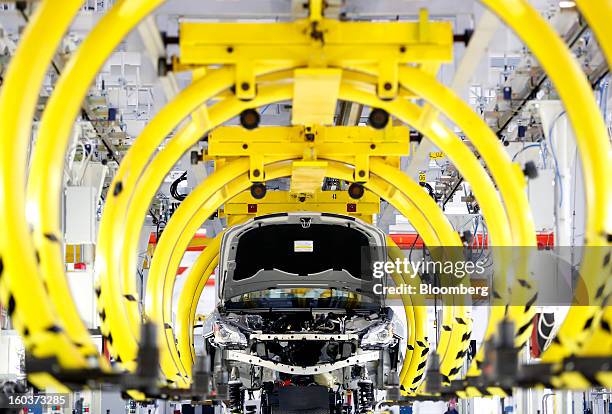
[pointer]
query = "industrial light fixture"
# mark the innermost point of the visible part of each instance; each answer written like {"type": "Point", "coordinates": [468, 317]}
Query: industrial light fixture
{"type": "Point", "coordinates": [567, 4]}
{"type": "Point", "coordinates": [258, 191]}
{"type": "Point", "coordinates": [250, 118]}
{"type": "Point", "coordinates": [378, 118]}
{"type": "Point", "coordinates": [356, 191]}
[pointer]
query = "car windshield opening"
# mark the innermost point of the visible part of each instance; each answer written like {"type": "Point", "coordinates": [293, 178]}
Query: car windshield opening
{"type": "Point", "coordinates": [294, 249]}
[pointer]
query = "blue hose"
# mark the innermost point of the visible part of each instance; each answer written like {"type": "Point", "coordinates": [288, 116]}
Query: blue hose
{"type": "Point", "coordinates": [552, 150]}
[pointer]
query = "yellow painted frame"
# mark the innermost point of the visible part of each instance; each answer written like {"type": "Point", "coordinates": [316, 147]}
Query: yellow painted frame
{"type": "Point", "coordinates": [592, 140]}
{"type": "Point", "coordinates": [595, 152]}
{"type": "Point", "coordinates": [51, 144]}
{"type": "Point", "coordinates": [22, 291]}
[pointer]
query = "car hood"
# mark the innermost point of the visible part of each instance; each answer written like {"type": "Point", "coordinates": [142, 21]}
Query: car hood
{"type": "Point", "coordinates": [301, 250]}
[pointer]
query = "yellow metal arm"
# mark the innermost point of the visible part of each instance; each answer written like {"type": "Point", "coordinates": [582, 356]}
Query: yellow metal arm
{"type": "Point", "coordinates": [344, 43]}
{"type": "Point", "coordinates": [45, 179]}
{"type": "Point", "coordinates": [197, 277]}
{"type": "Point", "coordinates": [511, 183]}
{"type": "Point", "coordinates": [336, 201]}
{"type": "Point", "coordinates": [317, 42]}
{"type": "Point", "coordinates": [597, 14]}
{"type": "Point", "coordinates": [23, 293]}
{"type": "Point", "coordinates": [595, 153]}
{"type": "Point", "coordinates": [121, 288]}
{"type": "Point", "coordinates": [356, 144]}
{"type": "Point", "coordinates": [417, 347]}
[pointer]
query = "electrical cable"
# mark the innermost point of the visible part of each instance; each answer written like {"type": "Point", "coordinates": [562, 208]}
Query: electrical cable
{"type": "Point", "coordinates": [554, 154]}
{"type": "Point", "coordinates": [155, 218]}
{"type": "Point", "coordinates": [525, 148]}
{"type": "Point", "coordinates": [430, 189]}
{"type": "Point", "coordinates": [545, 322]}
{"type": "Point", "coordinates": [475, 238]}
{"type": "Point", "coordinates": [174, 187]}
{"type": "Point", "coordinates": [86, 159]}
{"type": "Point", "coordinates": [412, 247]}
{"type": "Point", "coordinates": [573, 242]}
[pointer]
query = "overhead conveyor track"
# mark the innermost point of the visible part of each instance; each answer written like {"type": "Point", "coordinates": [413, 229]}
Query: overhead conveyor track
{"type": "Point", "coordinates": [244, 66]}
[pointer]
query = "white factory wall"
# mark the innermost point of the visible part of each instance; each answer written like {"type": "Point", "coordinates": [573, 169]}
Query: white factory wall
{"type": "Point", "coordinates": [11, 355]}
{"type": "Point", "coordinates": [81, 285]}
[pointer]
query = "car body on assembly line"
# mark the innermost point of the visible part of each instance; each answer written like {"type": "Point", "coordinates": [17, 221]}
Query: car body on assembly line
{"type": "Point", "coordinates": [297, 319]}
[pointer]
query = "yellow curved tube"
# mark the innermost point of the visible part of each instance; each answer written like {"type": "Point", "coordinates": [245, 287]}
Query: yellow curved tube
{"type": "Point", "coordinates": [595, 153]}
{"type": "Point", "coordinates": [454, 340]}
{"type": "Point", "coordinates": [511, 184]}
{"type": "Point", "coordinates": [122, 306]}
{"type": "Point", "coordinates": [45, 178]}
{"type": "Point", "coordinates": [417, 320]}
{"type": "Point", "coordinates": [597, 15]}
{"type": "Point", "coordinates": [197, 277]}
{"type": "Point", "coordinates": [469, 167]}
{"type": "Point", "coordinates": [23, 292]}
{"type": "Point", "coordinates": [191, 316]}
{"type": "Point", "coordinates": [410, 355]}
{"type": "Point", "coordinates": [601, 341]}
